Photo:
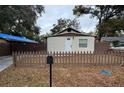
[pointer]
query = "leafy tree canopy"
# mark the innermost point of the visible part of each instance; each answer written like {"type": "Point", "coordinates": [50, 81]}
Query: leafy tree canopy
{"type": "Point", "coordinates": [20, 20]}
{"type": "Point", "coordinates": [65, 23]}
{"type": "Point", "coordinates": [103, 13]}
{"type": "Point", "coordinates": [112, 27]}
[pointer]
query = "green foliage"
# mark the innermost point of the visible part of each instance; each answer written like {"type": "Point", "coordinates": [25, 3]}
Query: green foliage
{"type": "Point", "coordinates": [115, 43]}
{"type": "Point", "coordinates": [112, 27]}
{"type": "Point", "coordinates": [92, 33]}
{"type": "Point", "coordinates": [20, 20]}
{"type": "Point", "coordinates": [41, 38]}
{"type": "Point", "coordinates": [65, 23]}
{"type": "Point", "coordinates": [80, 10]}
{"type": "Point", "coordinates": [104, 14]}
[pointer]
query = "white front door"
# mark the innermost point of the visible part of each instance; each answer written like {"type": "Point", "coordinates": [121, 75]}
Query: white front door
{"type": "Point", "coordinates": [68, 44]}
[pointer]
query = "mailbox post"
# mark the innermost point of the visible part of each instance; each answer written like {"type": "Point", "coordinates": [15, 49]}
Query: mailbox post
{"type": "Point", "coordinates": [50, 62]}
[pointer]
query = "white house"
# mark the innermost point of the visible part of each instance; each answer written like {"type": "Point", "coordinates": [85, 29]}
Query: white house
{"type": "Point", "coordinates": [70, 40]}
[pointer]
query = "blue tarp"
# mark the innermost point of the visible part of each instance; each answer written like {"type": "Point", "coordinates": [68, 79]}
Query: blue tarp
{"type": "Point", "coordinates": [106, 72]}
{"type": "Point", "coordinates": [16, 38]}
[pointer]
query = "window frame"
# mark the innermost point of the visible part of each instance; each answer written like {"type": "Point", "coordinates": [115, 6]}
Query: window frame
{"type": "Point", "coordinates": [82, 44]}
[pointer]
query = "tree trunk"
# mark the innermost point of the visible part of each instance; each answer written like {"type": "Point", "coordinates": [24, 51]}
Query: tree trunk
{"type": "Point", "coordinates": [99, 33]}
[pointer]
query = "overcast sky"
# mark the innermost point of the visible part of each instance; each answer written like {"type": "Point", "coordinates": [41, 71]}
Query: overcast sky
{"type": "Point", "coordinates": [54, 12]}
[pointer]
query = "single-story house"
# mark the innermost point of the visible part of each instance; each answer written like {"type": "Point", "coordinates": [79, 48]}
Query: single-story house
{"type": "Point", "coordinates": [70, 40]}
{"type": "Point", "coordinates": [111, 39]}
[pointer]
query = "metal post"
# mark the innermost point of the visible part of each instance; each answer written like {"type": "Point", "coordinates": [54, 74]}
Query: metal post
{"type": "Point", "coordinates": [50, 62]}
{"type": "Point", "coordinates": [50, 75]}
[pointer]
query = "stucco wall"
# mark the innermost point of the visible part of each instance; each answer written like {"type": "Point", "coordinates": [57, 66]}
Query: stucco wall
{"type": "Point", "coordinates": [58, 44]}
{"type": "Point", "coordinates": [55, 44]}
{"type": "Point", "coordinates": [90, 45]}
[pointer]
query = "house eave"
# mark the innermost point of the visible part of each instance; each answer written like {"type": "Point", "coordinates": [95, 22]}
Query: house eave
{"type": "Point", "coordinates": [70, 34]}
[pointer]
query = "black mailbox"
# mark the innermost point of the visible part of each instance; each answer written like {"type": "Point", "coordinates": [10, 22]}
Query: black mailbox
{"type": "Point", "coordinates": [49, 60]}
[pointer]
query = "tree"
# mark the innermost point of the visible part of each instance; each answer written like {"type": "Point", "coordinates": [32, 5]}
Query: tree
{"type": "Point", "coordinates": [65, 23]}
{"type": "Point", "coordinates": [112, 27]}
{"type": "Point", "coordinates": [102, 12]}
{"type": "Point", "coordinates": [115, 43]}
{"type": "Point", "coordinates": [91, 33]}
{"type": "Point", "coordinates": [20, 20]}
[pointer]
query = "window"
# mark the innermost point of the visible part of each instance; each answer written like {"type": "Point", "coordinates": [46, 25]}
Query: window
{"type": "Point", "coordinates": [68, 38]}
{"type": "Point", "coordinates": [83, 43]}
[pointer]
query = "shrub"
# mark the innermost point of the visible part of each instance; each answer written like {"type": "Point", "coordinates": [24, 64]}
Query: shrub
{"type": "Point", "coordinates": [115, 43]}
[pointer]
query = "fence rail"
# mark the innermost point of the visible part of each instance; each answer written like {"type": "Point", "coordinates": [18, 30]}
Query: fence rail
{"type": "Point", "coordinates": [64, 59]}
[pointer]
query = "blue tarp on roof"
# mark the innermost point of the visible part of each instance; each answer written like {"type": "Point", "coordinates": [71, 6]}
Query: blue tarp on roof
{"type": "Point", "coordinates": [16, 38]}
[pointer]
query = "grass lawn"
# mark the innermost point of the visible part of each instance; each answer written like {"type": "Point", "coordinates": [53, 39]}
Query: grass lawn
{"type": "Point", "coordinates": [62, 77]}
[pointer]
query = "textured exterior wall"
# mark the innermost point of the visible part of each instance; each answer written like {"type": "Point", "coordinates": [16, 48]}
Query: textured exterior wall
{"type": "Point", "coordinates": [55, 44]}
{"type": "Point", "coordinates": [4, 48]}
{"type": "Point", "coordinates": [90, 45]}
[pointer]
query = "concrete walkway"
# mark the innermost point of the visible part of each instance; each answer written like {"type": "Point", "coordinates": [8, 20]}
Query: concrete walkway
{"type": "Point", "coordinates": [5, 62]}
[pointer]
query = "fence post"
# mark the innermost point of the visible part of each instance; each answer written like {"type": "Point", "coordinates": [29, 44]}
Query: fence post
{"type": "Point", "coordinates": [72, 59]}
{"type": "Point", "coordinates": [63, 59]}
{"type": "Point", "coordinates": [14, 58]}
{"type": "Point", "coordinates": [81, 57]}
{"type": "Point", "coordinates": [122, 58]}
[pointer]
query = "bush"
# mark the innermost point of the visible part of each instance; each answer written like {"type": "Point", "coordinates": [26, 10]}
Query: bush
{"type": "Point", "coordinates": [115, 43]}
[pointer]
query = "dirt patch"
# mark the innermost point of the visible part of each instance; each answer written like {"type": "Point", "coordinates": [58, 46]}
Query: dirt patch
{"type": "Point", "coordinates": [63, 77]}
{"type": "Point", "coordinates": [24, 77]}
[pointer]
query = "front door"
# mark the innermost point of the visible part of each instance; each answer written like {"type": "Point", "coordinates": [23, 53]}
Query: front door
{"type": "Point", "coordinates": [68, 44]}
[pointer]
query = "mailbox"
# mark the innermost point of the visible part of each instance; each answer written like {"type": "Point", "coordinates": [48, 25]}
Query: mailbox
{"type": "Point", "coordinates": [49, 60]}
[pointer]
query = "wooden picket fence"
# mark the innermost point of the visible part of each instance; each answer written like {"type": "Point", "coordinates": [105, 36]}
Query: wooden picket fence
{"type": "Point", "coordinates": [66, 59]}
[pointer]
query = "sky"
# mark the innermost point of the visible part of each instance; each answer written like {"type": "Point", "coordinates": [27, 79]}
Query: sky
{"type": "Point", "coordinates": [55, 12]}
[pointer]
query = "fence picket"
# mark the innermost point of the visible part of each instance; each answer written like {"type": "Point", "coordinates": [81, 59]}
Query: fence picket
{"type": "Point", "coordinates": [61, 58]}
{"type": "Point", "coordinates": [14, 58]}
{"type": "Point", "coordinates": [99, 58]}
{"type": "Point", "coordinates": [114, 57]}
{"type": "Point", "coordinates": [39, 57]}
{"type": "Point", "coordinates": [84, 57]}
{"type": "Point", "coordinates": [42, 53]}
{"type": "Point", "coordinates": [72, 58]}
{"type": "Point", "coordinates": [81, 58]}
{"type": "Point", "coordinates": [119, 57]}
{"type": "Point", "coordinates": [57, 57]}
{"type": "Point", "coordinates": [45, 59]}
{"type": "Point", "coordinates": [122, 55]}
{"type": "Point", "coordinates": [93, 57]}
{"type": "Point", "coordinates": [90, 57]}
{"type": "Point", "coordinates": [68, 59]}
{"type": "Point", "coordinates": [110, 58]}
{"type": "Point", "coordinates": [25, 58]}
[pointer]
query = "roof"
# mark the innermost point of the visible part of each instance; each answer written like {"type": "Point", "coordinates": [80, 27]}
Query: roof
{"type": "Point", "coordinates": [16, 38]}
{"type": "Point", "coordinates": [110, 39]}
{"type": "Point", "coordinates": [69, 29]}
{"type": "Point", "coordinates": [70, 32]}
